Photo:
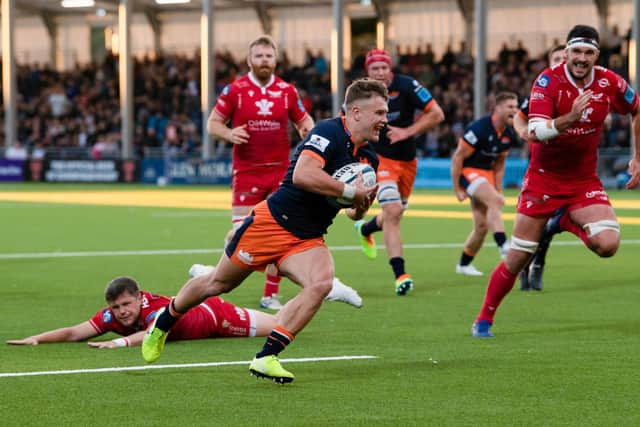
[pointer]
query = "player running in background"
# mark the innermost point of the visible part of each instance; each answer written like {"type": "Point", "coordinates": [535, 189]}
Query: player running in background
{"type": "Point", "coordinates": [398, 164]}
{"type": "Point", "coordinates": [531, 274]}
{"type": "Point", "coordinates": [477, 172]}
{"type": "Point", "coordinates": [130, 311]}
{"type": "Point", "coordinates": [293, 221]}
{"type": "Point", "coordinates": [569, 104]}
{"type": "Point", "coordinates": [259, 107]}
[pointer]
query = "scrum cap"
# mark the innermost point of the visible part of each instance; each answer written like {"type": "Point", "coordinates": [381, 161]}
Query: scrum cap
{"type": "Point", "coordinates": [377, 55]}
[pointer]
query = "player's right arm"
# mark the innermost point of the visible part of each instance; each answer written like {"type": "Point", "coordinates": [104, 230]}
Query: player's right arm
{"type": "Point", "coordinates": [217, 126]}
{"type": "Point", "coordinates": [463, 151]}
{"type": "Point", "coordinates": [543, 126]}
{"type": "Point", "coordinates": [78, 332]}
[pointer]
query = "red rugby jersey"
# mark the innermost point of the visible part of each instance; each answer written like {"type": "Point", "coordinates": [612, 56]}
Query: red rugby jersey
{"type": "Point", "coordinates": [199, 322]}
{"type": "Point", "coordinates": [266, 111]}
{"type": "Point", "coordinates": [574, 153]}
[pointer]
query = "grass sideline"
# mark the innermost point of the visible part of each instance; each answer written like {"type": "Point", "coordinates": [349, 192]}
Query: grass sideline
{"type": "Point", "coordinates": [566, 356]}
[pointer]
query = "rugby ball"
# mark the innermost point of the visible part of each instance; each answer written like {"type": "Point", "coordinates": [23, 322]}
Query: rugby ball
{"type": "Point", "coordinates": [348, 174]}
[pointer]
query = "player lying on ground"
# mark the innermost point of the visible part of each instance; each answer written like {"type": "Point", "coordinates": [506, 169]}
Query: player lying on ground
{"type": "Point", "coordinates": [131, 310]}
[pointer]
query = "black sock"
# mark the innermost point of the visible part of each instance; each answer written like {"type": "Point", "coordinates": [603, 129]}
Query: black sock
{"type": "Point", "coordinates": [276, 342]}
{"type": "Point", "coordinates": [465, 259]}
{"type": "Point", "coordinates": [370, 227]}
{"type": "Point", "coordinates": [500, 237]}
{"type": "Point", "coordinates": [540, 255]}
{"type": "Point", "coordinates": [166, 320]}
{"type": "Point", "coordinates": [397, 264]}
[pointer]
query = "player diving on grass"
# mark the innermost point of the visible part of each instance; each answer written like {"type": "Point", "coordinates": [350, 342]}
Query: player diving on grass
{"type": "Point", "coordinates": [130, 311]}
{"type": "Point", "coordinates": [293, 220]}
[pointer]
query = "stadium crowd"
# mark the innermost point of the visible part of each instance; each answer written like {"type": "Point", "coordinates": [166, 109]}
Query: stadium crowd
{"type": "Point", "coordinates": [78, 110]}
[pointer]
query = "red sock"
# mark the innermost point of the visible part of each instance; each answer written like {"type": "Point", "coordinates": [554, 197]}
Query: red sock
{"type": "Point", "coordinates": [271, 285]}
{"type": "Point", "coordinates": [567, 225]}
{"type": "Point", "coordinates": [500, 283]}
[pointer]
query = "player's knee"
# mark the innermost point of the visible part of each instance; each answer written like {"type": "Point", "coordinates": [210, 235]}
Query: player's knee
{"type": "Point", "coordinates": [498, 201]}
{"type": "Point", "coordinates": [392, 212]}
{"type": "Point", "coordinates": [606, 246]}
{"type": "Point", "coordinates": [321, 287]}
{"type": "Point", "coordinates": [604, 236]}
{"type": "Point", "coordinates": [522, 245]}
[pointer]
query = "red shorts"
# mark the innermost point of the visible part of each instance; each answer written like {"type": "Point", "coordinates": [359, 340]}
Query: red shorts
{"type": "Point", "coordinates": [261, 241]}
{"type": "Point", "coordinates": [471, 178]}
{"type": "Point", "coordinates": [230, 321]}
{"type": "Point", "coordinates": [542, 195]}
{"type": "Point", "coordinates": [399, 171]}
{"type": "Point", "coordinates": [213, 318]}
{"type": "Point", "coordinates": [254, 185]}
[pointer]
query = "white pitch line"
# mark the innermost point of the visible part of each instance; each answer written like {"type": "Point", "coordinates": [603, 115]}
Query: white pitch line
{"type": "Point", "coordinates": [217, 251]}
{"type": "Point", "coordinates": [174, 366]}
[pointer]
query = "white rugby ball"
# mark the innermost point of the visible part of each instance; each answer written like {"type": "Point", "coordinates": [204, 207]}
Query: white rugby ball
{"type": "Point", "coordinates": [348, 174]}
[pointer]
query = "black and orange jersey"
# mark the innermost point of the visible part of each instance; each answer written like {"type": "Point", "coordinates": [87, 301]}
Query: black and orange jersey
{"type": "Point", "coordinates": [305, 214]}
{"type": "Point", "coordinates": [487, 142]}
{"type": "Point", "coordinates": [406, 95]}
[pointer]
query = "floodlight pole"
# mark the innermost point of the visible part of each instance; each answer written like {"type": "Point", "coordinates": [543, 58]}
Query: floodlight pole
{"type": "Point", "coordinates": [337, 55]}
{"type": "Point", "coordinates": [126, 78]}
{"type": "Point", "coordinates": [9, 85]}
{"type": "Point", "coordinates": [635, 73]}
{"type": "Point", "coordinates": [480, 63]}
{"type": "Point", "coordinates": [207, 74]}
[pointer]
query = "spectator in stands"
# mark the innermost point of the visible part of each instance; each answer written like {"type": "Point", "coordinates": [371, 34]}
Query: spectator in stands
{"type": "Point", "coordinates": [16, 151]}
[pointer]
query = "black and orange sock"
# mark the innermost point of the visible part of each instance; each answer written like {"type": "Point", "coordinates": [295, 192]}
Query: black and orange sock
{"type": "Point", "coordinates": [168, 317]}
{"type": "Point", "coordinates": [500, 237]}
{"type": "Point", "coordinates": [370, 227]}
{"type": "Point", "coordinates": [397, 264]}
{"type": "Point", "coordinates": [278, 340]}
{"type": "Point", "coordinates": [466, 258]}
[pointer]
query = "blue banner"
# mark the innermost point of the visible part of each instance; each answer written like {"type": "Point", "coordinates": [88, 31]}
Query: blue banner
{"type": "Point", "coordinates": [436, 173]}
{"type": "Point", "coordinates": [11, 170]}
{"type": "Point", "coordinates": [157, 171]}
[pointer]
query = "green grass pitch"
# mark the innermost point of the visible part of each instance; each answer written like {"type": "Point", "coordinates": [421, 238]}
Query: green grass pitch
{"type": "Point", "coordinates": [567, 356]}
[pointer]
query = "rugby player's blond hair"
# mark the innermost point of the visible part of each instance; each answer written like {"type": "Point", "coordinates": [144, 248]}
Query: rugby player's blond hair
{"type": "Point", "coordinates": [264, 40]}
{"type": "Point", "coordinates": [365, 89]}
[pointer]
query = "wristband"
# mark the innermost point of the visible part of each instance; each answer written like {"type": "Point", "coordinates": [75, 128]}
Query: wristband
{"type": "Point", "coordinates": [121, 342]}
{"type": "Point", "coordinates": [349, 192]}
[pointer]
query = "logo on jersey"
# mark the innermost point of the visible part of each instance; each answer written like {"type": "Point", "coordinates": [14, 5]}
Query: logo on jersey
{"type": "Point", "coordinates": [250, 93]}
{"type": "Point", "coordinates": [245, 257]}
{"type": "Point", "coordinates": [603, 82]}
{"type": "Point", "coordinates": [150, 317]}
{"type": "Point", "coordinates": [241, 313]}
{"type": "Point", "coordinates": [629, 95]}
{"type": "Point", "coordinates": [543, 81]}
{"type": "Point", "coordinates": [423, 94]}
{"type": "Point", "coordinates": [107, 317]}
{"type": "Point", "coordinates": [274, 93]}
{"type": "Point", "coordinates": [318, 142]}
{"type": "Point", "coordinates": [470, 137]}
{"type": "Point", "coordinates": [597, 194]}
{"type": "Point", "coordinates": [536, 95]}
{"type": "Point", "coordinates": [585, 115]}
{"type": "Point", "coordinates": [265, 107]}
